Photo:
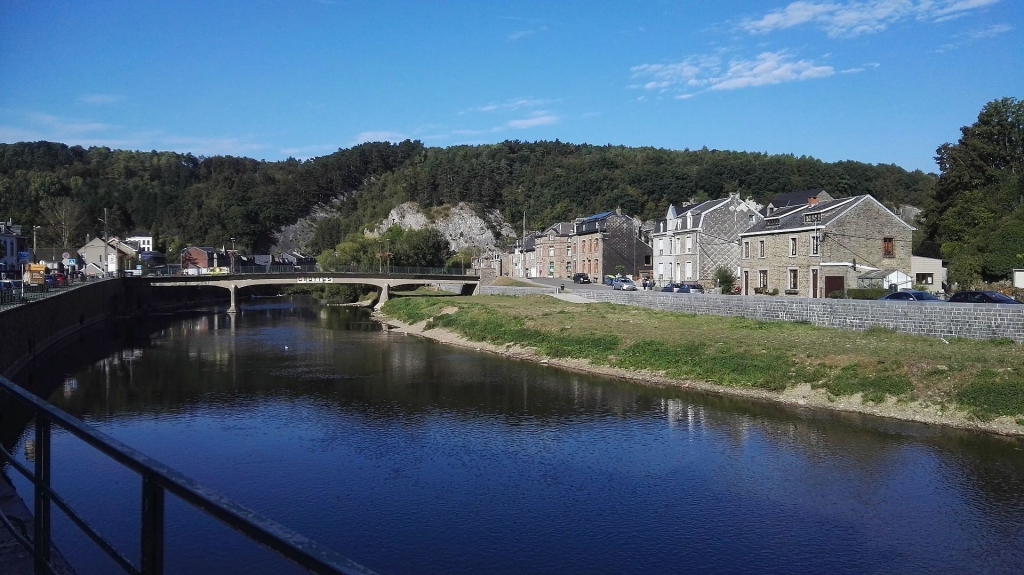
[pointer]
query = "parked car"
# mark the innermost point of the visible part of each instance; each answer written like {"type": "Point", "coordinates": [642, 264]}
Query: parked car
{"type": "Point", "coordinates": [981, 297]}
{"type": "Point", "coordinates": [670, 287]}
{"type": "Point", "coordinates": [690, 287]}
{"type": "Point", "coordinates": [911, 295]}
{"type": "Point", "coordinates": [580, 279]}
{"type": "Point", "coordinates": [624, 284]}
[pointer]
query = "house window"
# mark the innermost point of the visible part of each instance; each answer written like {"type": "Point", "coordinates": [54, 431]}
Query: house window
{"type": "Point", "coordinates": [793, 278]}
{"type": "Point", "coordinates": [888, 248]}
{"type": "Point", "coordinates": [551, 268]}
{"type": "Point", "coordinates": [661, 270]}
{"type": "Point", "coordinates": [568, 251]}
{"type": "Point", "coordinates": [760, 248]}
{"type": "Point", "coordinates": [814, 244]}
{"type": "Point", "coordinates": [689, 244]}
{"type": "Point", "coordinates": [746, 250]}
{"type": "Point", "coordinates": [689, 270]}
{"type": "Point", "coordinates": [750, 219]}
{"type": "Point", "coordinates": [792, 248]}
{"type": "Point", "coordinates": [661, 246]}
{"type": "Point", "coordinates": [762, 278]}
{"type": "Point", "coordinates": [551, 252]}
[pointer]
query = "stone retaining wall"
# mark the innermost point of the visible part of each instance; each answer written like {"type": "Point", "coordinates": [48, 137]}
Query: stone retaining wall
{"type": "Point", "coordinates": [946, 320]}
{"type": "Point", "coordinates": [517, 291]}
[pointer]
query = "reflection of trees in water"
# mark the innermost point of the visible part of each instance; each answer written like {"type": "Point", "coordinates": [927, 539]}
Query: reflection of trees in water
{"type": "Point", "coordinates": [337, 362]}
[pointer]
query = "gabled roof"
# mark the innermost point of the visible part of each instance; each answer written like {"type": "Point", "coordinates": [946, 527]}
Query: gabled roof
{"type": "Point", "coordinates": [792, 199]}
{"type": "Point", "coordinates": [561, 228]}
{"type": "Point", "coordinates": [804, 217]}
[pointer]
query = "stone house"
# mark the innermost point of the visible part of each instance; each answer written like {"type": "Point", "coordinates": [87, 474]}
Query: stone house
{"type": "Point", "coordinates": [692, 242]}
{"type": "Point", "coordinates": [814, 249]}
{"type": "Point", "coordinates": [199, 261]}
{"type": "Point", "coordinates": [103, 258]}
{"type": "Point", "coordinates": [602, 242]}
{"type": "Point", "coordinates": [553, 252]}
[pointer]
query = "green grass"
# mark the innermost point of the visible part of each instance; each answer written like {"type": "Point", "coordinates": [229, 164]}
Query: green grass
{"type": "Point", "coordinates": [875, 385]}
{"type": "Point", "coordinates": [994, 394]}
{"type": "Point", "coordinates": [983, 377]}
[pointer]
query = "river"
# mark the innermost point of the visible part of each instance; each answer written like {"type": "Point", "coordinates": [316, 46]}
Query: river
{"type": "Point", "coordinates": [409, 456]}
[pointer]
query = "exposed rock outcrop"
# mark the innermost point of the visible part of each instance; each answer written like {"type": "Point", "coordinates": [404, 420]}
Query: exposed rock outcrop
{"type": "Point", "coordinates": [460, 224]}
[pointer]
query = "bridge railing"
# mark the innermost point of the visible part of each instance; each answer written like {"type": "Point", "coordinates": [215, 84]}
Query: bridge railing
{"type": "Point", "coordinates": [157, 480]}
{"type": "Point", "coordinates": [354, 269]}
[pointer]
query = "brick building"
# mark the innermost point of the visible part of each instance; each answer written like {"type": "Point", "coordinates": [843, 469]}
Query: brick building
{"type": "Point", "coordinates": [601, 243]}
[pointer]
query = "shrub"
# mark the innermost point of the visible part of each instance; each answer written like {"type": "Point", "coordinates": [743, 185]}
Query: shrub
{"type": "Point", "coordinates": [725, 279]}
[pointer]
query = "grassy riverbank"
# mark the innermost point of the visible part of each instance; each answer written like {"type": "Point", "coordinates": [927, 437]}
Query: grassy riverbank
{"type": "Point", "coordinates": [983, 379]}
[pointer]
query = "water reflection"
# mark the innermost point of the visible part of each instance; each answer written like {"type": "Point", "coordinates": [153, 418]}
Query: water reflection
{"type": "Point", "coordinates": [411, 456]}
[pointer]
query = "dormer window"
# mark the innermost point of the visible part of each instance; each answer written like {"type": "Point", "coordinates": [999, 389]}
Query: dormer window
{"type": "Point", "coordinates": [771, 222]}
{"type": "Point", "coordinates": [689, 220]}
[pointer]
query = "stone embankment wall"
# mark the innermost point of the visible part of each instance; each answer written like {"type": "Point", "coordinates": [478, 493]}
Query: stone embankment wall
{"type": "Point", "coordinates": [945, 320]}
{"type": "Point", "coordinates": [516, 291]}
{"type": "Point", "coordinates": [28, 329]}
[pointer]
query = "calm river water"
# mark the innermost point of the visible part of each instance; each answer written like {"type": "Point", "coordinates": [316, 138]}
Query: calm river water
{"type": "Point", "coordinates": [413, 457]}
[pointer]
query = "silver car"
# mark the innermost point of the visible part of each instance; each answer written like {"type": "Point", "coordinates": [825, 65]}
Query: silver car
{"type": "Point", "coordinates": [624, 284]}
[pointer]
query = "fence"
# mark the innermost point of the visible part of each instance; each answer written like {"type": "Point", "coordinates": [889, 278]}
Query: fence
{"type": "Point", "coordinates": [157, 480]}
{"type": "Point", "coordinates": [14, 293]}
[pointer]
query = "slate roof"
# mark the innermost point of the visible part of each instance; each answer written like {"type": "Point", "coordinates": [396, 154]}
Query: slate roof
{"type": "Point", "coordinates": [794, 217]}
{"type": "Point", "coordinates": [791, 199]}
{"type": "Point", "coordinates": [561, 228]}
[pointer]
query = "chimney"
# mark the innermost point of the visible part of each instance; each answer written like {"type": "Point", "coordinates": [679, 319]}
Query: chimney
{"type": "Point", "coordinates": [812, 201]}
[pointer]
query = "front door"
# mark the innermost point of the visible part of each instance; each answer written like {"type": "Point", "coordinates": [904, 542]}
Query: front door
{"type": "Point", "coordinates": [814, 283]}
{"type": "Point", "coordinates": [834, 283]}
{"type": "Point", "coordinates": [746, 282]}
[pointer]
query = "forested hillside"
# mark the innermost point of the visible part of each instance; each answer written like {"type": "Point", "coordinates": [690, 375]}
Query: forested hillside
{"type": "Point", "coordinates": [188, 199]}
{"type": "Point", "coordinates": [976, 221]}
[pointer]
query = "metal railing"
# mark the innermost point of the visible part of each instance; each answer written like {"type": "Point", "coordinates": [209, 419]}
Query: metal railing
{"type": "Point", "coordinates": [353, 269]}
{"type": "Point", "coordinates": [157, 480]}
{"type": "Point", "coordinates": [12, 294]}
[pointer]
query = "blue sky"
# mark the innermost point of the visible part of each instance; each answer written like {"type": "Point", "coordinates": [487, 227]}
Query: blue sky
{"type": "Point", "coordinates": [879, 81]}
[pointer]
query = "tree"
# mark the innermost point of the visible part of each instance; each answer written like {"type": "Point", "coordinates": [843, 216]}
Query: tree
{"type": "Point", "coordinates": [64, 217]}
{"type": "Point", "coordinates": [725, 279]}
{"type": "Point", "coordinates": [978, 200]}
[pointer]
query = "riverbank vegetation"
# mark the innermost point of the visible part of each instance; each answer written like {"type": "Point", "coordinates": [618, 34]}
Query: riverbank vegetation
{"type": "Point", "coordinates": [984, 378]}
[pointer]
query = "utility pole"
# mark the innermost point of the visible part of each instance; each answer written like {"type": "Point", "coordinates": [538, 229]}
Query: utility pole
{"type": "Point", "coordinates": [105, 268]}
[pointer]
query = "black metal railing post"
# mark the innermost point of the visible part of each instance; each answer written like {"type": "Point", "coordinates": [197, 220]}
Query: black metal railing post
{"type": "Point", "coordinates": [41, 545]}
{"type": "Point", "coordinates": [152, 526]}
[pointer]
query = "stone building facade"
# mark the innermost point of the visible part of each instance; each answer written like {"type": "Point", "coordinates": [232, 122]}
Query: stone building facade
{"type": "Point", "coordinates": [690, 243]}
{"type": "Point", "coordinates": [814, 249]}
{"type": "Point", "coordinates": [553, 252]}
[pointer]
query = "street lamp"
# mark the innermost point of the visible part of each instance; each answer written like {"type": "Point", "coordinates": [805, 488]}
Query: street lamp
{"type": "Point", "coordinates": [34, 228]}
{"type": "Point", "coordinates": [232, 255]}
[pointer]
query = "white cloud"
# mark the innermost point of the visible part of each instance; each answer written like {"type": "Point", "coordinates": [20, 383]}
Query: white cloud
{"type": "Point", "coordinates": [986, 33]}
{"type": "Point", "coordinates": [520, 34]}
{"type": "Point", "coordinates": [101, 99]}
{"type": "Point", "coordinates": [305, 152]}
{"type": "Point", "coordinates": [851, 71]}
{"type": "Point", "coordinates": [538, 119]}
{"type": "Point", "coordinates": [768, 68]}
{"type": "Point", "coordinates": [708, 72]}
{"type": "Point", "coordinates": [511, 105]}
{"type": "Point", "coordinates": [35, 126]}
{"type": "Point", "coordinates": [379, 136]}
{"type": "Point", "coordinates": [847, 18]}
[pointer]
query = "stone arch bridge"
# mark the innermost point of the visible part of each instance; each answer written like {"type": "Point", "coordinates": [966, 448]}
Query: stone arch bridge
{"type": "Point", "coordinates": [385, 283]}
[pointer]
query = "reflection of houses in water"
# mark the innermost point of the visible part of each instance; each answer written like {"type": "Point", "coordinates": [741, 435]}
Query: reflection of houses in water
{"type": "Point", "coordinates": [70, 386]}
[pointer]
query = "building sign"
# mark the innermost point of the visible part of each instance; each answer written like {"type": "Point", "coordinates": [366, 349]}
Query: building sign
{"type": "Point", "coordinates": [24, 257]}
{"type": "Point", "coordinates": [314, 280]}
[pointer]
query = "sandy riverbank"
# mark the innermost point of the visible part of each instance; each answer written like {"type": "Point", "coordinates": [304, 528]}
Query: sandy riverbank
{"type": "Point", "coordinates": [801, 395]}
